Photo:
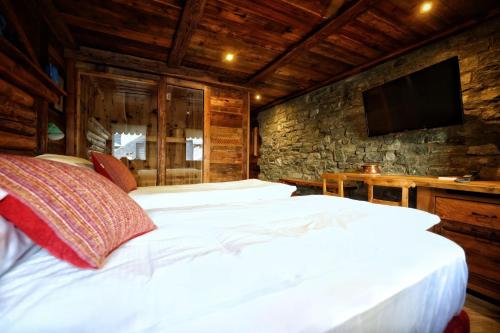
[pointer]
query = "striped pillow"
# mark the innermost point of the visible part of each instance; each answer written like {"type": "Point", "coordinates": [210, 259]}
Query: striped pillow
{"type": "Point", "coordinates": [113, 169]}
{"type": "Point", "coordinates": [75, 213]}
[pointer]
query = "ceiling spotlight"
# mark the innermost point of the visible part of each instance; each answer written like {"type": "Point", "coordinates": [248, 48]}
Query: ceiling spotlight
{"type": "Point", "coordinates": [229, 57]}
{"type": "Point", "coordinates": [257, 97]}
{"type": "Point", "coordinates": [426, 7]}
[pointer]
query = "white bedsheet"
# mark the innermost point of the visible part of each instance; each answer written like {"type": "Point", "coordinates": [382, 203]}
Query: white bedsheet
{"type": "Point", "coordinates": [239, 268]}
{"type": "Point", "coordinates": [248, 190]}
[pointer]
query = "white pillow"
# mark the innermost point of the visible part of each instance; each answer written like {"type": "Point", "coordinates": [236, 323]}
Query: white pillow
{"type": "Point", "coordinates": [13, 244]}
{"type": "Point", "coordinates": [72, 160]}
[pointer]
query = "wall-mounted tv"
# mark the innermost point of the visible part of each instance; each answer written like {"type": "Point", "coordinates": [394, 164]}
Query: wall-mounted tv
{"type": "Point", "coordinates": [431, 97]}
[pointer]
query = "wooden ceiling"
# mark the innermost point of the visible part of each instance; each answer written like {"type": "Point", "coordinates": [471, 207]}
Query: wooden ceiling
{"type": "Point", "coordinates": [282, 48]}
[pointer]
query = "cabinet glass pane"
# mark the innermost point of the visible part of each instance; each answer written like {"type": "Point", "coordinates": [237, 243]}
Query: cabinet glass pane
{"type": "Point", "coordinates": [184, 142]}
{"type": "Point", "coordinates": [121, 119]}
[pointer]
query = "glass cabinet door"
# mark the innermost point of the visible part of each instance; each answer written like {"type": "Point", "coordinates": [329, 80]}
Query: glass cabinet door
{"type": "Point", "coordinates": [184, 136]}
{"type": "Point", "coordinates": [120, 117]}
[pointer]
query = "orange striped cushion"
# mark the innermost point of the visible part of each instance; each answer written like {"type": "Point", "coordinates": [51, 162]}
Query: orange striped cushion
{"type": "Point", "coordinates": [75, 213]}
{"type": "Point", "coordinates": [113, 169]}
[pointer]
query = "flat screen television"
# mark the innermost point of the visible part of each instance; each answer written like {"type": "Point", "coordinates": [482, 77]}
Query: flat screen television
{"type": "Point", "coordinates": [431, 97]}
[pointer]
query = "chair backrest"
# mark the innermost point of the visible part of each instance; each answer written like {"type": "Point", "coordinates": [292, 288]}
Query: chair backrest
{"type": "Point", "coordinates": [403, 184]}
{"type": "Point", "coordinates": [329, 179]}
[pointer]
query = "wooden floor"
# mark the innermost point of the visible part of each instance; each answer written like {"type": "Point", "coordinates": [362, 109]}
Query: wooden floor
{"type": "Point", "coordinates": [484, 316]}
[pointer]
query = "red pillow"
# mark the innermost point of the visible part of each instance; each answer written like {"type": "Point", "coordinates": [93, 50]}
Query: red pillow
{"type": "Point", "coordinates": [113, 169]}
{"type": "Point", "coordinates": [76, 214]}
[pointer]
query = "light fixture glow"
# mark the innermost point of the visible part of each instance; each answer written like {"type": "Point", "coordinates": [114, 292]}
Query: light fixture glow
{"type": "Point", "coordinates": [229, 57]}
{"type": "Point", "coordinates": [426, 7]}
{"type": "Point", "coordinates": [257, 97]}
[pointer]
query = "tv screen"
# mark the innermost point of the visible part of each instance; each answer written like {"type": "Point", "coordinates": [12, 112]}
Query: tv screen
{"type": "Point", "coordinates": [431, 97]}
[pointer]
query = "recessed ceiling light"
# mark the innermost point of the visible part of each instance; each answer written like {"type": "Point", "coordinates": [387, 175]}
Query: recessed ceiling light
{"type": "Point", "coordinates": [426, 7]}
{"type": "Point", "coordinates": [257, 97]}
{"type": "Point", "coordinates": [229, 57]}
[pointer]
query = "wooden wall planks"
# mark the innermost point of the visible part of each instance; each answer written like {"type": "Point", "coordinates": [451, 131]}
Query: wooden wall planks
{"type": "Point", "coordinates": [228, 115]}
{"type": "Point", "coordinates": [18, 120]}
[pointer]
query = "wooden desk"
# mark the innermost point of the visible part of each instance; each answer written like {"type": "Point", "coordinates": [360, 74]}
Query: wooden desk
{"type": "Point", "coordinates": [312, 183]}
{"type": "Point", "coordinates": [470, 216]}
{"type": "Point", "coordinates": [480, 186]}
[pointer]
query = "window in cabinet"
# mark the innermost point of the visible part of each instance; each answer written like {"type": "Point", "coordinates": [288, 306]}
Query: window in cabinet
{"type": "Point", "coordinates": [184, 142]}
{"type": "Point", "coordinates": [119, 116]}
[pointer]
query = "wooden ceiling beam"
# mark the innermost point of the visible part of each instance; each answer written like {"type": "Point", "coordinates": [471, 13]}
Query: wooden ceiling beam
{"type": "Point", "coordinates": [56, 23]}
{"type": "Point", "coordinates": [191, 16]}
{"type": "Point", "coordinates": [10, 13]}
{"type": "Point", "coordinates": [319, 34]}
{"type": "Point", "coordinates": [361, 68]}
{"type": "Point", "coordinates": [119, 60]}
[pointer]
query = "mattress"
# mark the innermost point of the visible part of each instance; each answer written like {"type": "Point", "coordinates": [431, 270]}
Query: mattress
{"type": "Point", "coordinates": [237, 268]}
{"type": "Point", "coordinates": [150, 197]}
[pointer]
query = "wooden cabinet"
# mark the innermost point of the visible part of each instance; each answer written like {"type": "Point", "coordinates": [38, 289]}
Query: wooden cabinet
{"type": "Point", "coordinates": [472, 220]}
{"type": "Point", "coordinates": [188, 132]}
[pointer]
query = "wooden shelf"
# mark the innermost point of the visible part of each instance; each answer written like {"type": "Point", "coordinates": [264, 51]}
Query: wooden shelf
{"type": "Point", "coordinates": [174, 139]}
{"type": "Point", "coordinates": [168, 139]}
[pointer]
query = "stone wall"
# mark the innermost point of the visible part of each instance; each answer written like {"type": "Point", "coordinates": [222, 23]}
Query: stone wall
{"type": "Point", "coordinates": [325, 130]}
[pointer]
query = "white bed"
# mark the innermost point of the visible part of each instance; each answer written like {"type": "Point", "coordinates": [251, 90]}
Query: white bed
{"type": "Point", "coordinates": [150, 197]}
{"type": "Point", "coordinates": [302, 264]}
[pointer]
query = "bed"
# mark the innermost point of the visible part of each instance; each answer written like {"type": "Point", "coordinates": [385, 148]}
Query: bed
{"type": "Point", "coordinates": [150, 197]}
{"type": "Point", "coordinates": [248, 190]}
{"type": "Point", "coordinates": [301, 264]}
{"type": "Point", "coordinates": [236, 262]}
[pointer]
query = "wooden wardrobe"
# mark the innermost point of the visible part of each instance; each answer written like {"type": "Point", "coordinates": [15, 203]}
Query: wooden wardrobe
{"type": "Point", "coordinates": [223, 124]}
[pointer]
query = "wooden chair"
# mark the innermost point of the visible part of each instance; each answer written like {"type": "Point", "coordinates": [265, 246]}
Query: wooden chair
{"type": "Point", "coordinates": [404, 184]}
{"type": "Point", "coordinates": [333, 178]}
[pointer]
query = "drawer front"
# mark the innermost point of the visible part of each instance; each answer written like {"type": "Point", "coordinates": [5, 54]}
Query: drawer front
{"type": "Point", "coordinates": [472, 212]}
{"type": "Point", "coordinates": [484, 286]}
{"type": "Point", "coordinates": [483, 256]}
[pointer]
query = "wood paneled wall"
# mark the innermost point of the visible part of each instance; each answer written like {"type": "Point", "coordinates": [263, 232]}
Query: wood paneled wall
{"type": "Point", "coordinates": [228, 117]}
{"type": "Point", "coordinates": [18, 120]}
{"type": "Point", "coordinates": [27, 46]}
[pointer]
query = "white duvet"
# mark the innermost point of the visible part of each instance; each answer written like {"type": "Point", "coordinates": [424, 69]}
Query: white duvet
{"type": "Point", "coordinates": [248, 190]}
{"type": "Point", "coordinates": [302, 264]}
